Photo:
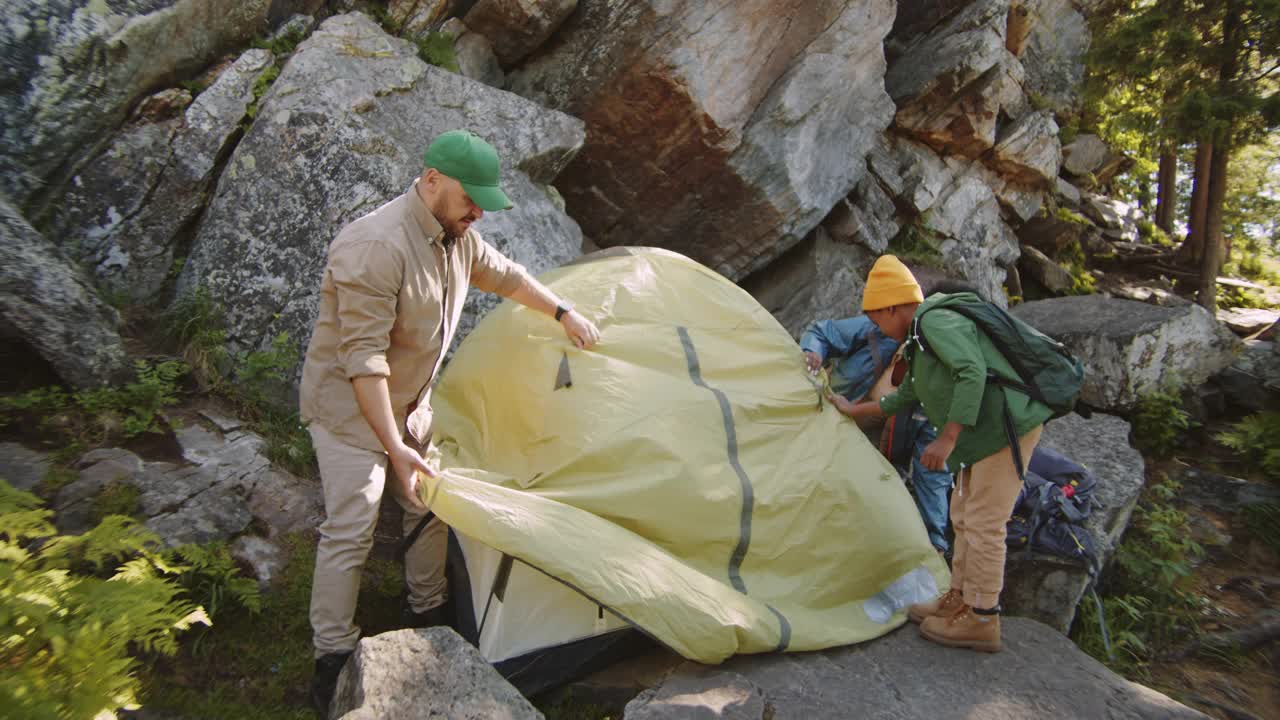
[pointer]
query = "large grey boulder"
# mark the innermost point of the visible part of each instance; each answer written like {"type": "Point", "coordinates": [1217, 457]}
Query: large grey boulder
{"type": "Point", "coordinates": [1130, 348]}
{"type": "Point", "coordinates": [1047, 588]}
{"type": "Point", "coordinates": [225, 483]}
{"type": "Point", "coordinates": [1084, 155]}
{"type": "Point", "coordinates": [421, 674]}
{"type": "Point", "coordinates": [51, 306]}
{"type": "Point", "coordinates": [517, 27]}
{"type": "Point", "coordinates": [126, 210]}
{"type": "Point", "coordinates": [1050, 275]}
{"type": "Point", "coordinates": [820, 279]}
{"type": "Point", "coordinates": [1252, 382]}
{"type": "Point", "coordinates": [22, 467]}
{"type": "Point", "coordinates": [74, 67]}
{"type": "Point", "coordinates": [724, 131]}
{"type": "Point", "coordinates": [341, 132]}
{"type": "Point", "coordinates": [904, 677]}
{"type": "Point", "coordinates": [475, 55]}
{"type": "Point", "coordinates": [1054, 54]}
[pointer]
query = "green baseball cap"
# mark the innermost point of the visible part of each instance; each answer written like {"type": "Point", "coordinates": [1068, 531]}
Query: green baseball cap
{"type": "Point", "coordinates": [467, 158]}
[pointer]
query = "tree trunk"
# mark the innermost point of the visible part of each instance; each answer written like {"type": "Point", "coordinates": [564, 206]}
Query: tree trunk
{"type": "Point", "coordinates": [1167, 190]}
{"type": "Point", "coordinates": [1192, 250]}
{"type": "Point", "coordinates": [1214, 249]}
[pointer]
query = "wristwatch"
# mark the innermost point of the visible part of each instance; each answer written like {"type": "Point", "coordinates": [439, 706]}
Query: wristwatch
{"type": "Point", "coordinates": [563, 307]}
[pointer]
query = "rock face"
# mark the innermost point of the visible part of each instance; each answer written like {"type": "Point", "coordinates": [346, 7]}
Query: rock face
{"type": "Point", "coordinates": [416, 18]}
{"type": "Point", "coordinates": [48, 303]}
{"type": "Point", "coordinates": [730, 162]}
{"type": "Point", "coordinates": [901, 676]}
{"type": "Point", "coordinates": [1054, 54]}
{"type": "Point", "coordinates": [951, 83]}
{"type": "Point", "coordinates": [517, 27]}
{"type": "Point", "coordinates": [1046, 588]}
{"type": "Point", "coordinates": [819, 279]}
{"type": "Point", "coordinates": [341, 132]}
{"type": "Point", "coordinates": [126, 208]}
{"type": "Point", "coordinates": [421, 674]}
{"type": "Point", "coordinates": [1253, 380]}
{"type": "Point", "coordinates": [82, 63]}
{"type": "Point", "coordinates": [1130, 348]}
{"type": "Point", "coordinates": [225, 484]}
{"type": "Point", "coordinates": [1028, 151]}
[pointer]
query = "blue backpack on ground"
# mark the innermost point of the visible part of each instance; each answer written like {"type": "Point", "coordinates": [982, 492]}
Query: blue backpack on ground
{"type": "Point", "coordinates": [1057, 496]}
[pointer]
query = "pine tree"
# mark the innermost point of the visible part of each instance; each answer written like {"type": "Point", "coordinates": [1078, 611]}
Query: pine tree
{"type": "Point", "coordinates": [1192, 71]}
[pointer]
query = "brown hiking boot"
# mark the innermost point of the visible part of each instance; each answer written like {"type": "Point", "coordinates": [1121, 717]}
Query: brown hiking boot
{"type": "Point", "coordinates": [964, 629]}
{"type": "Point", "coordinates": [947, 603]}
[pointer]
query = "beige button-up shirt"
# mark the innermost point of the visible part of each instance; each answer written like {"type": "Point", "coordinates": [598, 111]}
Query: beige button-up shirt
{"type": "Point", "coordinates": [390, 301]}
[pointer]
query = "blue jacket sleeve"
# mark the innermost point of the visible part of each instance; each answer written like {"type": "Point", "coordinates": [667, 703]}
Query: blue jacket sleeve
{"type": "Point", "coordinates": [836, 338]}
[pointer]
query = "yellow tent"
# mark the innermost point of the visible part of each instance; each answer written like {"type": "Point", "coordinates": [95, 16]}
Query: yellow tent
{"type": "Point", "coordinates": [682, 478]}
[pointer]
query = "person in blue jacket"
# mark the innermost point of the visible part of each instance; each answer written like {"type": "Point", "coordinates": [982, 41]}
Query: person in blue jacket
{"type": "Point", "coordinates": [860, 353]}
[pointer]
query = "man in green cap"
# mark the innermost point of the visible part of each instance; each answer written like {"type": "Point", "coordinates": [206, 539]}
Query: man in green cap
{"type": "Point", "coordinates": [390, 300]}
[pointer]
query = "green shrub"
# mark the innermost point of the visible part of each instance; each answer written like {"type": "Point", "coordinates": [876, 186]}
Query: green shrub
{"type": "Point", "coordinates": [1160, 421]}
{"type": "Point", "coordinates": [1071, 258]}
{"type": "Point", "coordinates": [114, 499]}
{"type": "Point", "coordinates": [194, 327]}
{"type": "Point", "coordinates": [1241, 298]}
{"type": "Point", "coordinates": [262, 386]}
{"type": "Point", "coordinates": [1075, 218]}
{"type": "Point", "coordinates": [1149, 603]}
{"type": "Point", "coordinates": [261, 382]}
{"type": "Point", "coordinates": [1257, 439]}
{"type": "Point", "coordinates": [437, 49]}
{"type": "Point", "coordinates": [1153, 234]}
{"type": "Point", "coordinates": [917, 244]}
{"type": "Point", "coordinates": [68, 621]}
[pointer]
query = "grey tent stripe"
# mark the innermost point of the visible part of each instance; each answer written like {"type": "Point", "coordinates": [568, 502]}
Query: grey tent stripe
{"type": "Point", "coordinates": [731, 435]}
{"type": "Point", "coordinates": [784, 630]}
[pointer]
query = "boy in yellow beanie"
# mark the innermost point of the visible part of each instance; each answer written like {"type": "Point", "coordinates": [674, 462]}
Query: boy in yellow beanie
{"type": "Point", "coordinates": [861, 353]}
{"type": "Point", "coordinates": [950, 381]}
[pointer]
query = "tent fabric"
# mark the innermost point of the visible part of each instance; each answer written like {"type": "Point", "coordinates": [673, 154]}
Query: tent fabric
{"type": "Point", "coordinates": [683, 477]}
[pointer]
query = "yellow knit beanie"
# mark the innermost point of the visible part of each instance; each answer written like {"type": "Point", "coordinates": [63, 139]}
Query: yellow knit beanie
{"type": "Point", "coordinates": [890, 283]}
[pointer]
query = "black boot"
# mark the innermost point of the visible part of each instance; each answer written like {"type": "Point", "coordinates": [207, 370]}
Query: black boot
{"type": "Point", "coordinates": [325, 681]}
{"type": "Point", "coordinates": [425, 619]}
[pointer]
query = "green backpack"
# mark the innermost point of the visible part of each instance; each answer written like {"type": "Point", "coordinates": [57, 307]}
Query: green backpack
{"type": "Point", "coordinates": [1047, 371]}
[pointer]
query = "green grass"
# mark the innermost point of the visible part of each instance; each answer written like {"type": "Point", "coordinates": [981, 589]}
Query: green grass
{"type": "Point", "coordinates": [1263, 523]}
{"type": "Point", "coordinates": [565, 707]}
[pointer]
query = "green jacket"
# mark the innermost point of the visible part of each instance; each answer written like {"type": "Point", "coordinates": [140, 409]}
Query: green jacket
{"type": "Point", "coordinates": [952, 385]}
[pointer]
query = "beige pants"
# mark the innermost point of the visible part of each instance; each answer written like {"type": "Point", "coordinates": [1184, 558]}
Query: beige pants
{"type": "Point", "coordinates": [980, 508]}
{"type": "Point", "coordinates": [353, 479]}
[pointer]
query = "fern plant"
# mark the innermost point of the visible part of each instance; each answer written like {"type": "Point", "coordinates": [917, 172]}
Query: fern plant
{"type": "Point", "coordinates": [92, 417]}
{"type": "Point", "coordinates": [1160, 421]}
{"type": "Point", "coordinates": [68, 621]}
{"type": "Point", "coordinates": [1257, 439]}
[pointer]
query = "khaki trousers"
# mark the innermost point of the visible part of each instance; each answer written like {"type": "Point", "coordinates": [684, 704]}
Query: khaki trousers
{"type": "Point", "coordinates": [980, 509]}
{"type": "Point", "coordinates": [353, 479]}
